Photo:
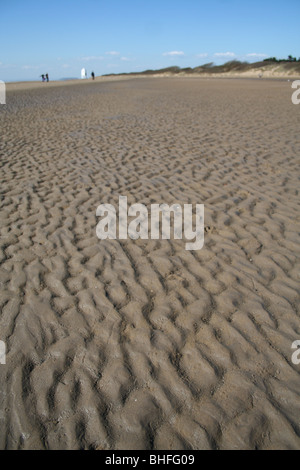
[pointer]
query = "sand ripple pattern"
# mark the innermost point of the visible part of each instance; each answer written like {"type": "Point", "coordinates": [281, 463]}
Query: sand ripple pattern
{"type": "Point", "coordinates": [141, 344]}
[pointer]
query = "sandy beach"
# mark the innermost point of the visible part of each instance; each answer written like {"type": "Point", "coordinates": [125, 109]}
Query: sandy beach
{"type": "Point", "coordinates": [141, 344]}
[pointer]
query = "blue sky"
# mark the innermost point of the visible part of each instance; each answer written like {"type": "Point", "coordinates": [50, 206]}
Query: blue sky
{"type": "Point", "coordinates": [112, 36]}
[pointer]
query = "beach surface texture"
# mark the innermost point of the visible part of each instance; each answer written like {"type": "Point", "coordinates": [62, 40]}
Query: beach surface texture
{"type": "Point", "coordinates": [142, 344]}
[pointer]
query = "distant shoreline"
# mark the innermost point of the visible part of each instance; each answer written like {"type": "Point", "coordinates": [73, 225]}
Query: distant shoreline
{"type": "Point", "coordinates": [234, 69]}
{"type": "Point", "coordinates": [19, 86]}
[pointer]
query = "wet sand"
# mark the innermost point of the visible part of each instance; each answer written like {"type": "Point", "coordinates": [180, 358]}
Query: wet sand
{"type": "Point", "coordinates": [122, 344]}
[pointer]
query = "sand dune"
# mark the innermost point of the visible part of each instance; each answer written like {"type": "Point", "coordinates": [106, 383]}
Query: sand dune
{"type": "Point", "coordinates": [122, 344]}
{"type": "Point", "coordinates": [267, 69]}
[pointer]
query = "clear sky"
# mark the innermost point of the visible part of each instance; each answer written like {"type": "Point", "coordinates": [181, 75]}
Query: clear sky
{"type": "Point", "coordinates": [112, 36]}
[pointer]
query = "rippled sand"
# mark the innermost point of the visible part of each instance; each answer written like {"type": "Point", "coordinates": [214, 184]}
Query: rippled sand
{"type": "Point", "coordinates": [142, 344]}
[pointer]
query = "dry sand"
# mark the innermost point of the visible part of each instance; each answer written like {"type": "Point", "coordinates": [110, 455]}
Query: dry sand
{"type": "Point", "coordinates": [142, 344]}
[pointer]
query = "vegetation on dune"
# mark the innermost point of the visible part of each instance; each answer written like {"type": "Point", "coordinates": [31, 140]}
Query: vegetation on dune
{"type": "Point", "coordinates": [289, 59]}
{"type": "Point", "coordinates": [291, 63]}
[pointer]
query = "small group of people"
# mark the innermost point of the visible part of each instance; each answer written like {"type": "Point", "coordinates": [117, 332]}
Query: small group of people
{"type": "Point", "coordinates": [45, 77]}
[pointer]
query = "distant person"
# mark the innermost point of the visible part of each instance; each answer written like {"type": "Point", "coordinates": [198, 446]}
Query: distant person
{"type": "Point", "coordinates": [93, 75]}
{"type": "Point", "coordinates": [47, 77]}
{"type": "Point", "coordinates": [83, 73]}
{"type": "Point", "coordinates": [43, 77]}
